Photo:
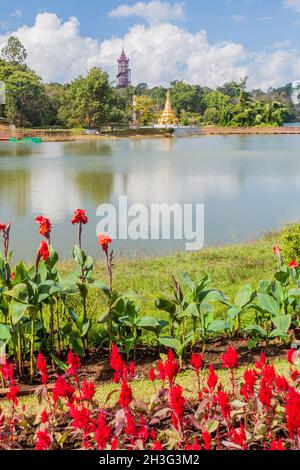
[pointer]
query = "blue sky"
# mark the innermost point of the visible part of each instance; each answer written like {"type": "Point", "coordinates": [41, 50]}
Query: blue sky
{"type": "Point", "coordinates": [254, 33]}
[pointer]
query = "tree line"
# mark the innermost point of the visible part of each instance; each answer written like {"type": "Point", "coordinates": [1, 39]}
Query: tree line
{"type": "Point", "coordinates": [92, 101]}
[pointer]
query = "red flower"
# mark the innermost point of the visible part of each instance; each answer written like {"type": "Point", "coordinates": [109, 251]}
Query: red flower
{"type": "Point", "coordinates": [104, 241]}
{"type": "Point", "coordinates": [73, 362]}
{"type": "Point", "coordinates": [239, 437]}
{"type": "Point", "coordinates": [276, 250]}
{"type": "Point", "coordinates": [81, 418]}
{"type": "Point", "coordinates": [157, 446]}
{"type": "Point", "coordinates": [87, 391]}
{"type": "Point", "coordinates": [42, 367]}
{"type": "Point", "coordinates": [177, 403]}
{"type": "Point", "coordinates": [2, 227]}
{"type": "Point", "coordinates": [194, 446]}
{"type": "Point", "coordinates": [293, 412]}
{"type": "Point", "coordinates": [63, 389]}
{"type": "Point", "coordinates": [261, 362]}
{"type": "Point", "coordinates": [281, 383]}
{"type": "Point", "coordinates": [80, 217]}
{"type": "Point", "coordinates": [250, 377]}
{"type": "Point", "coordinates": [223, 402]}
{"type": "Point", "coordinates": [161, 371]}
{"type": "Point", "coordinates": [131, 429]}
{"type": "Point", "coordinates": [170, 368]}
{"type": "Point", "coordinates": [230, 358]}
{"type": "Point", "coordinates": [291, 356]}
{"type": "Point", "coordinates": [45, 226]}
{"type": "Point", "coordinates": [265, 393]}
{"type": "Point", "coordinates": [212, 378]}
{"type": "Point", "coordinates": [43, 251]}
{"type": "Point", "coordinates": [277, 445]}
{"type": "Point", "coordinates": [103, 432]}
{"type": "Point", "coordinates": [152, 375]}
{"type": "Point", "coordinates": [44, 417]}
{"type": "Point", "coordinates": [196, 361]}
{"type": "Point", "coordinates": [207, 440]}
{"type": "Point", "coordinates": [43, 440]}
{"type": "Point", "coordinates": [12, 394]}
{"type": "Point", "coordinates": [293, 264]}
{"type": "Point", "coordinates": [125, 397]}
{"type": "Point", "coordinates": [116, 363]}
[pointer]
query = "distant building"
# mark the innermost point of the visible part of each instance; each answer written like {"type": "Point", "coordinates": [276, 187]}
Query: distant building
{"type": "Point", "coordinates": [124, 72]}
{"type": "Point", "coordinates": [168, 116]}
{"type": "Point", "coordinates": [296, 92]}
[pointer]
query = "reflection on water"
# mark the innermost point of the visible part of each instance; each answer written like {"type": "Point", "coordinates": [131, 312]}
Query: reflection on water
{"type": "Point", "coordinates": [248, 184]}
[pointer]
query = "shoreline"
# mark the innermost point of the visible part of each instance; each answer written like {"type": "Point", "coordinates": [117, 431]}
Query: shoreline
{"type": "Point", "coordinates": [152, 133]}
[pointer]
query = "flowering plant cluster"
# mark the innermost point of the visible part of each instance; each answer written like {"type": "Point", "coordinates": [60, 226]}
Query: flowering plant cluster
{"type": "Point", "coordinates": [258, 410]}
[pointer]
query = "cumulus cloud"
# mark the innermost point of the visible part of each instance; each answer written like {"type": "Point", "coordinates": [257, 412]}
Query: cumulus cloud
{"type": "Point", "coordinates": [154, 11]}
{"type": "Point", "coordinates": [159, 53]}
{"type": "Point", "coordinates": [295, 4]}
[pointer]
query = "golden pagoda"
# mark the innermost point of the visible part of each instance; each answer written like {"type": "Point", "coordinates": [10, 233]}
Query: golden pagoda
{"type": "Point", "coordinates": [168, 116]}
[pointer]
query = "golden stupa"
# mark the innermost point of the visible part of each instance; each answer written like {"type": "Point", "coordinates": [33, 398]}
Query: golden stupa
{"type": "Point", "coordinates": [168, 116]}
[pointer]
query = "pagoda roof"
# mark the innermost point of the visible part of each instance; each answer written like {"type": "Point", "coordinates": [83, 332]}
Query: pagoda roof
{"type": "Point", "coordinates": [123, 57]}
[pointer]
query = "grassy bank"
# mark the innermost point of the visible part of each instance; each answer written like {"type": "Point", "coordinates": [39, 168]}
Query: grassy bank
{"type": "Point", "coordinates": [230, 268]}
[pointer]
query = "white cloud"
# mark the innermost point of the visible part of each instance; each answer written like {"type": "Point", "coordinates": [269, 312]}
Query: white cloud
{"type": "Point", "coordinates": [154, 11]}
{"type": "Point", "coordinates": [295, 4]}
{"type": "Point", "coordinates": [159, 53]}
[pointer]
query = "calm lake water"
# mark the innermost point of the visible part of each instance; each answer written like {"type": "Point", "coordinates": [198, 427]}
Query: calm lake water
{"type": "Point", "coordinates": [248, 184]}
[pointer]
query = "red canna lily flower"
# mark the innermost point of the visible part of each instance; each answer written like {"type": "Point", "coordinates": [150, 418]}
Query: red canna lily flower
{"type": "Point", "coordinates": [2, 227]}
{"type": "Point", "coordinates": [104, 241]}
{"type": "Point", "coordinates": [277, 250]}
{"type": "Point", "coordinates": [43, 251]}
{"type": "Point", "coordinates": [80, 217]}
{"type": "Point", "coordinates": [293, 264]}
{"type": "Point", "coordinates": [45, 226]}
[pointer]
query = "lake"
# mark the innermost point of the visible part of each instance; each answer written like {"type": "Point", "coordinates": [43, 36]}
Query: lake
{"type": "Point", "coordinates": [249, 184]}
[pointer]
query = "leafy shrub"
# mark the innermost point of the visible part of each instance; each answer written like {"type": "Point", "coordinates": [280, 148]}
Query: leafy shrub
{"type": "Point", "coordinates": [290, 241]}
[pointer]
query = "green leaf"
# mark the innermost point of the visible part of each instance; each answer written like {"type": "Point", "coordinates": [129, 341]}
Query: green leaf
{"type": "Point", "coordinates": [62, 366]}
{"type": "Point", "coordinates": [86, 327]}
{"type": "Point", "coordinates": [79, 255]}
{"type": "Point", "coordinates": [217, 326]}
{"type": "Point", "coordinates": [268, 303]}
{"type": "Point", "coordinates": [149, 323]}
{"type": "Point", "coordinates": [253, 328]}
{"type": "Point", "coordinates": [166, 305]}
{"type": "Point", "coordinates": [4, 332]}
{"type": "Point", "coordinates": [19, 293]}
{"type": "Point", "coordinates": [282, 322]}
{"type": "Point", "coordinates": [171, 343]}
{"type": "Point", "coordinates": [233, 313]}
{"type": "Point", "coordinates": [244, 296]}
{"type": "Point", "coordinates": [17, 311]}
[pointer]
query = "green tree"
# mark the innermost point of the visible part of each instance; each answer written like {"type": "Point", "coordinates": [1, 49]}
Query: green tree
{"type": "Point", "coordinates": [14, 52]}
{"type": "Point", "coordinates": [145, 110]}
{"type": "Point", "coordinates": [187, 98]}
{"type": "Point", "coordinates": [88, 101]}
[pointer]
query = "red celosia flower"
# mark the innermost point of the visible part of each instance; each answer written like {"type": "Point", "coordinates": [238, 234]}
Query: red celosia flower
{"type": "Point", "coordinates": [295, 375]}
{"type": "Point", "coordinates": [43, 440]}
{"type": "Point", "coordinates": [194, 446]}
{"type": "Point", "coordinates": [207, 440]}
{"type": "Point", "coordinates": [143, 432]}
{"type": "Point", "coordinates": [230, 358]}
{"type": "Point", "coordinates": [261, 362]}
{"type": "Point", "coordinates": [62, 389]}
{"type": "Point", "coordinates": [212, 378]}
{"type": "Point", "coordinates": [7, 371]}
{"type": "Point", "coordinates": [293, 412]}
{"type": "Point", "coordinates": [277, 445]}
{"type": "Point", "coordinates": [103, 432]}
{"type": "Point", "coordinates": [281, 383]}
{"type": "Point", "coordinates": [157, 446]}
{"type": "Point", "coordinates": [43, 251]}
{"type": "Point", "coordinates": [44, 417]}
{"type": "Point", "coordinates": [73, 362]}
{"type": "Point", "coordinates": [87, 391]}
{"type": "Point", "coordinates": [42, 367]}
{"type": "Point", "coordinates": [177, 403]}
{"type": "Point", "coordinates": [81, 418]}
{"type": "Point", "coordinates": [269, 374]}
{"type": "Point", "coordinates": [114, 444]}
{"type": "Point", "coordinates": [293, 264]}
{"type": "Point", "coordinates": [250, 377]}
{"type": "Point", "coordinates": [116, 363]}
{"type": "Point", "coordinates": [12, 394]}
{"type": "Point", "coordinates": [161, 370]}
{"type": "Point", "coordinates": [80, 217]}
{"type": "Point", "coordinates": [171, 367]}
{"type": "Point", "coordinates": [265, 393]}
{"type": "Point", "coordinates": [239, 437]}
{"type": "Point", "coordinates": [152, 375]}
{"type": "Point", "coordinates": [131, 370]}
{"type": "Point", "coordinates": [131, 429]}
{"type": "Point", "coordinates": [104, 241]}
{"type": "Point", "coordinates": [223, 402]}
{"type": "Point", "coordinates": [125, 397]}
{"type": "Point", "coordinates": [291, 356]}
{"type": "Point", "coordinates": [196, 361]}
{"type": "Point", "coordinates": [45, 226]}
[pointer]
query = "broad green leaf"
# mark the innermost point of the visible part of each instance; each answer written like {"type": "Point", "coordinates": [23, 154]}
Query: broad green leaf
{"type": "Point", "coordinates": [19, 293]}
{"type": "Point", "coordinates": [217, 326]}
{"type": "Point", "coordinates": [268, 303]}
{"type": "Point", "coordinates": [282, 322]}
{"type": "Point", "coordinates": [244, 296]}
{"type": "Point", "coordinates": [17, 311]}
